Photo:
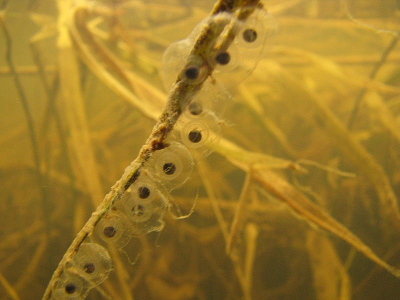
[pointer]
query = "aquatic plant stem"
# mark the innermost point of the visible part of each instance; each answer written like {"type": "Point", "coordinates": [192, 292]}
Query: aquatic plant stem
{"type": "Point", "coordinates": [372, 75]}
{"type": "Point", "coordinates": [8, 288]}
{"type": "Point", "coordinates": [23, 99]}
{"type": "Point", "coordinates": [252, 232]}
{"type": "Point", "coordinates": [51, 111]}
{"type": "Point", "coordinates": [31, 128]}
{"type": "Point", "coordinates": [239, 216]}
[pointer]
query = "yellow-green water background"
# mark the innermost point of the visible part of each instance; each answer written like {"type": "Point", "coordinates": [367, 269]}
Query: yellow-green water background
{"type": "Point", "coordinates": [317, 49]}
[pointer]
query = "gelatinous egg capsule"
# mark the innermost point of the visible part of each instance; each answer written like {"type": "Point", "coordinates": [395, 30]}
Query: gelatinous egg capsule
{"type": "Point", "coordinates": [178, 64]}
{"type": "Point", "coordinates": [195, 71]}
{"type": "Point", "coordinates": [113, 229]}
{"type": "Point", "coordinates": [198, 105]}
{"type": "Point", "coordinates": [92, 262]}
{"type": "Point", "coordinates": [177, 61]}
{"type": "Point", "coordinates": [201, 135]}
{"type": "Point", "coordinates": [144, 205]}
{"type": "Point", "coordinates": [70, 286]}
{"type": "Point", "coordinates": [212, 99]}
{"type": "Point", "coordinates": [196, 108]}
{"type": "Point", "coordinates": [246, 50]}
{"type": "Point", "coordinates": [173, 61]}
{"type": "Point", "coordinates": [171, 166]}
{"type": "Point", "coordinates": [227, 61]}
{"type": "Point", "coordinates": [256, 29]}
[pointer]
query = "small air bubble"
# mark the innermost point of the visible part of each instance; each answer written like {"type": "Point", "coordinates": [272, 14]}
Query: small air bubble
{"type": "Point", "coordinates": [195, 136]}
{"type": "Point", "coordinates": [223, 58]}
{"type": "Point", "coordinates": [169, 168]}
{"type": "Point", "coordinates": [192, 72]}
{"type": "Point", "coordinates": [143, 192]}
{"type": "Point", "coordinates": [89, 268]}
{"type": "Point", "coordinates": [250, 35]}
{"type": "Point", "coordinates": [70, 288]}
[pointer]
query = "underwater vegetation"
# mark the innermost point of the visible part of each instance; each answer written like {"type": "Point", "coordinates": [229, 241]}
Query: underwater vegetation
{"type": "Point", "coordinates": [252, 149]}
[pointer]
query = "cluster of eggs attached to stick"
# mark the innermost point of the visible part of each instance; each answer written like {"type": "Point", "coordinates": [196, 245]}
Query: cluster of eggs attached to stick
{"type": "Point", "coordinates": [141, 208]}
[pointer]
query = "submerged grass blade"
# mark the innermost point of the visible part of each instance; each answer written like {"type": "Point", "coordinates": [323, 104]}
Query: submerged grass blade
{"type": "Point", "coordinates": [314, 214]}
{"type": "Point", "coordinates": [331, 280]}
{"type": "Point", "coordinates": [74, 109]}
{"type": "Point", "coordinates": [306, 103]}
